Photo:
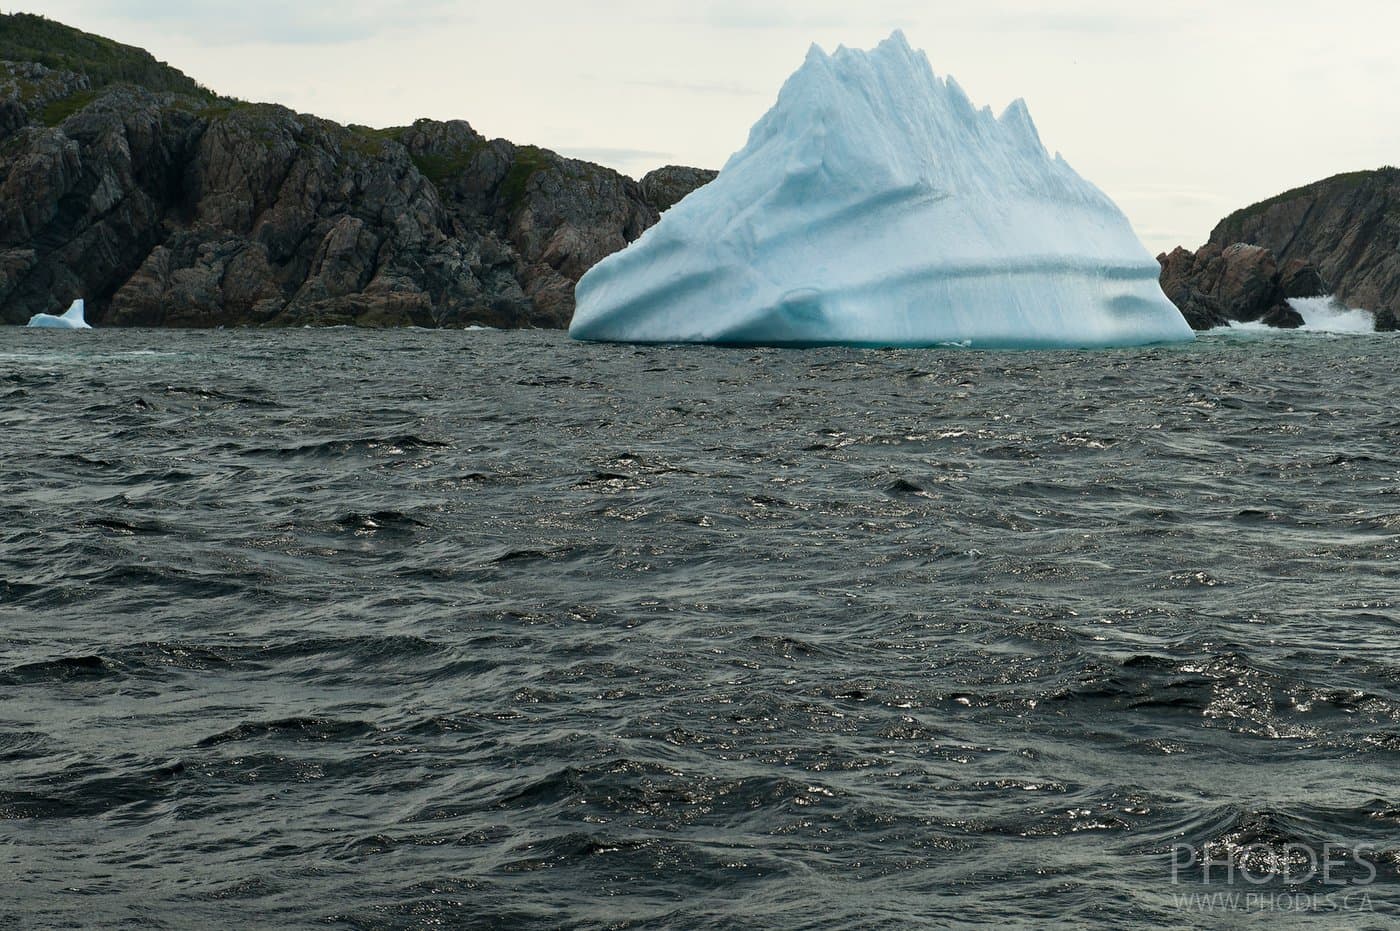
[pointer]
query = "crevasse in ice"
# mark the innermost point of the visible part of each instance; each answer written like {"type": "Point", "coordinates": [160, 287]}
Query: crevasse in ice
{"type": "Point", "coordinates": [874, 205]}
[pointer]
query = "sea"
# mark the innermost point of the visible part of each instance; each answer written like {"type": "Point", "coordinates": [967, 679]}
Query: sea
{"type": "Point", "coordinates": [480, 629]}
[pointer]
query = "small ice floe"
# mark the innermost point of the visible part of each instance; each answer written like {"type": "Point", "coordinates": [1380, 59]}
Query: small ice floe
{"type": "Point", "coordinates": [72, 320]}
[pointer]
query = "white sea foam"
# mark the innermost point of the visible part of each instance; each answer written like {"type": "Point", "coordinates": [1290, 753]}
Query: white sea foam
{"type": "Point", "coordinates": [1328, 315]}
{"type": "Point", "coordinates": [1324, 315]}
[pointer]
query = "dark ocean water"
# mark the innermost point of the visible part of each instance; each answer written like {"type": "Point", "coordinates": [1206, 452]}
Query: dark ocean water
{"type": "Point", "coordinates": [410, 629]}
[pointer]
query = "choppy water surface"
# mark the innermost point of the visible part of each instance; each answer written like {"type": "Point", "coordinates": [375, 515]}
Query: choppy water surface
{"type": "Point", "coordinates": [496, 630]}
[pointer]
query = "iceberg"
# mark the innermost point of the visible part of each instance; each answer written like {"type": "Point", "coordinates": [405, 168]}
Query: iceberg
{"type": "Point", "coordinates": [71, 320]}
{"type": "Point", "coordinates": [875, 206]}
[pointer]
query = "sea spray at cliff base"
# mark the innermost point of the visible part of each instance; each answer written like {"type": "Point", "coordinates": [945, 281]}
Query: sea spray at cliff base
{"type": "Point", "coordinates": [1328, 315]}
{"type": "Point", "coordinates": [874, 205]}
{"type": "Point", "coordinates": [1320, 315]}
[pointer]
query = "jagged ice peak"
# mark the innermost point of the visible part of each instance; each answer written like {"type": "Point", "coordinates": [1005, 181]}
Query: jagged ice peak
{"type": "Point", "coordinates": [874, 205]}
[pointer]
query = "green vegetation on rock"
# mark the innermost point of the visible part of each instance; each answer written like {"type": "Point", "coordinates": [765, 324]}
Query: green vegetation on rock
{"type": "Point", "coordinates": [60, 110]}
{"type": "Point", "coordinates": [1347, 181]}
{"type": "Point", "coordinates": [528, 160]}
{"type": "Point", "coordinates": [441, 169]}
{"type": "Point", "coordinates": [365, 141]}
{"type": "Point", "coordinates": [26, 37]}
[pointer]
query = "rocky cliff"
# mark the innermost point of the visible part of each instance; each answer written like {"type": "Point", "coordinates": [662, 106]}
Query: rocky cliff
{"type": "Point", "coordinates": [124, 182]}
{"type": "Point", "coordinates": [1341, 234]}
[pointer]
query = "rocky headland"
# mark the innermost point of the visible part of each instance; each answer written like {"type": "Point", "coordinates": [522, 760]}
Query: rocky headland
{"type": "Point", "coordinates": [125, 182]}
{"type": "Point", "coordinates": [1337, 237]}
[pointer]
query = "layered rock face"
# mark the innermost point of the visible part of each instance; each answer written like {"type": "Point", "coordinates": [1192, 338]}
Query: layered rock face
{"type": "Point", "coordinates": [167, 208]}
{"type": "Point", "coordinates": [1347, 228]}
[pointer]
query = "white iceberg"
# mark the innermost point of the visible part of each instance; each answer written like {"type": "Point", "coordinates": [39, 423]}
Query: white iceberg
{"type": "Point", "coordinates": [71, 320]}
{"type": "Point", "coordinates": [875, 206]}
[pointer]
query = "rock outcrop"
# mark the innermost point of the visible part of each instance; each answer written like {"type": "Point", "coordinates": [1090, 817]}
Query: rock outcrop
{"type": "Point", "coordinates": [1216, 286]}
{"type": "Point", "coordinates": [1340, 235]}
{"type": "Point", "coordinates": [164, 205]}
{"type": "Point", "coordinates": [666, 187]}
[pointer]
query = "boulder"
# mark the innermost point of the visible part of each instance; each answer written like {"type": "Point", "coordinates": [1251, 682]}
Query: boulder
{"type": "Point", "coordinates": [665, 187]}
{"type": "Point", "coordinates": [1282, 316]}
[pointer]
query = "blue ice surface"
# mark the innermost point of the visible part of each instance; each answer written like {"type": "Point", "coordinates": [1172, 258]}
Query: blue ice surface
{"type": "Point", "coordinates": [875, 206]}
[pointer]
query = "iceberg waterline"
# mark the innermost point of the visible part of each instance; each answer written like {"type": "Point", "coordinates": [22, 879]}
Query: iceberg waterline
{"type": "Point", "coordinates": [874, 205]}
{"type": "Point", "coordinates": [72, 319]}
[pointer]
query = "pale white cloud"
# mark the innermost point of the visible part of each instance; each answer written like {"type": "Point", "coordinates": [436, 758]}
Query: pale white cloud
{"type": "Point", "coordinates": [703, 87]}
{"type": "Point", "coordinates": [1182, 112]}
{"type": "Point", "coordinates": [278, 22]}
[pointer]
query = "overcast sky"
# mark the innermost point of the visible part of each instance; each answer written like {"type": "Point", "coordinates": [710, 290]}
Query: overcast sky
{"type": "Point", "coordinates": [1181, 111]}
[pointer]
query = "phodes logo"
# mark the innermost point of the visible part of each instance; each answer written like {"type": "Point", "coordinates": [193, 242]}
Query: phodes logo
{"type": "Point", "coordinates": [1344, 872]}
{"type": "Point", "coordinates": [1275, 902]}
